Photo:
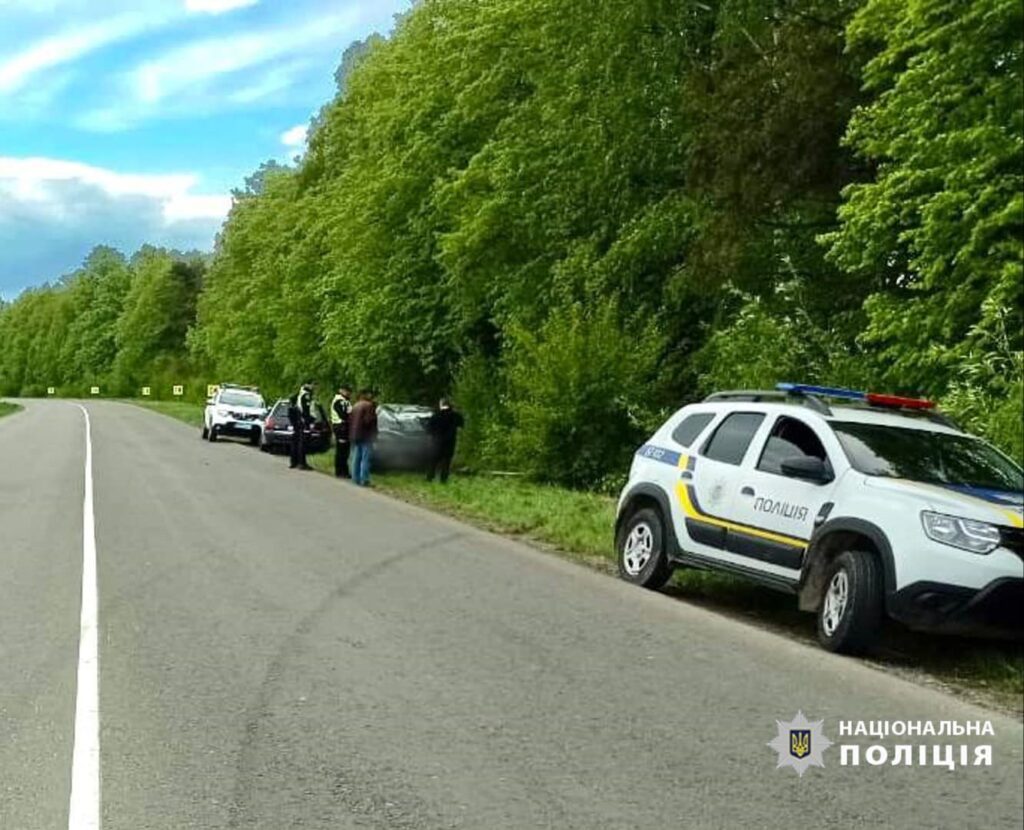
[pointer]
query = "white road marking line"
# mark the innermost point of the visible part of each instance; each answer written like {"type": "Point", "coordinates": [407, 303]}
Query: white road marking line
{"type": "Point", "coordinates": [84, 807]}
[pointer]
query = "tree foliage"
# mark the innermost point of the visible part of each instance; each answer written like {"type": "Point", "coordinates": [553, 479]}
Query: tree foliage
{"type": "Point", "coordinates": [112, 323]}
{"type": "Point", "coordinates": [577, 215]}
{"type": "Point", "coordinates": [940, 226]}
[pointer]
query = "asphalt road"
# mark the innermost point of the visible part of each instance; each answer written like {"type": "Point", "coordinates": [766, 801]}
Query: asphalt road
{"type": "Point", "coordinates": [281, 650]}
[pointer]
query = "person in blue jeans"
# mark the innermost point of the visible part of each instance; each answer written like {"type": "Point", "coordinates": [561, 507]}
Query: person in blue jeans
{"type": "Point", "coordinates": [362, 431]}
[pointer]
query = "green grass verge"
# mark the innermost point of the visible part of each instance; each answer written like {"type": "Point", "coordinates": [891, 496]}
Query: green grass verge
{"type": "Point", "coordinates": [7, 408]}
{"type": "Point", "coordinates": [579, 526]}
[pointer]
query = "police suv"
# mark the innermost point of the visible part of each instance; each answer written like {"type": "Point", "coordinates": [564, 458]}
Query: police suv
{"type": "Point", "coordinates": [234, 410]}
{"type": "Point", "coordinates": [860, 504]}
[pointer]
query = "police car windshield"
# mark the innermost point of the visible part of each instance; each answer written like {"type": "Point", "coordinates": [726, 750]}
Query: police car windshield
{"type": "Point", "coordinates": [241, 399]}
{"type": "Point", "coordinates": [926, 456]}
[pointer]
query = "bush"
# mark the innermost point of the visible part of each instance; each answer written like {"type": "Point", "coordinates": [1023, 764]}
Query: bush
{"type": "Point", "coordinates": [480, 391]}
{"type": "Point", "coordinates": [988, 399]}
{"type": "Point", "coordinates": [579, 392]}
{"type": "Point", "coordinates": [775, 340]}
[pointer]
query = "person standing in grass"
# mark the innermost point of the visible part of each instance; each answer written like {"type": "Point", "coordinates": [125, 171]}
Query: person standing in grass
{"type": "Point", "coordinates": [444, 426]}
{"type": "Point", "coordinates": [341, 408]}
{"type": "Point", "coordinates": [362, 432]}
{"type": "Point", "coordinates": [300, 413]}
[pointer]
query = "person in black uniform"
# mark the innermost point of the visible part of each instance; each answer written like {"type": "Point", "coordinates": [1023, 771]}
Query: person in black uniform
{"type": "Point", "coordinates": [300, 413]}
{"type": "Point", "coordinates": [341, 407]}
{"type": "Point", "coordinates": [444, 426]}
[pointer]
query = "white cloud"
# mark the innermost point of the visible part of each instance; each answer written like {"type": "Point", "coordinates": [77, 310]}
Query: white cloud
{"type": "Point", "coordinates": [295, 137]}
{"type": "Point", "coordinates": [207, 74]}
{"type": "Point", "coordinates": [68, 46]}
{"type": "Point", "coordinates": [261, 85]}
{"type": "Point", "coordinates": [52, 212]}
{"type": "Point", "coordinates": [39, 180]}
{"type": "Point", "coordinates": [217, 6]}
{"type": "Point", "coordinates": [196, 63]}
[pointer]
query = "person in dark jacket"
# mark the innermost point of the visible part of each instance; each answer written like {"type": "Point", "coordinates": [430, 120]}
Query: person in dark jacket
{"type": "Point", "coordinates": [444, 426]}
{"type": "Point", "coordinates": [362, 432]}
{"type": "Point", "coordinates": [300, 413]}
{"type": "Point", "coordinates": [341, 408]}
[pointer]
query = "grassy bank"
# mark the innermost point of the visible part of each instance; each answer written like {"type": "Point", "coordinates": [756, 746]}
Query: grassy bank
{"type": "Point", "coordinates": [8, 408]}
{"type": "Point", "coordinates": [579, 526]}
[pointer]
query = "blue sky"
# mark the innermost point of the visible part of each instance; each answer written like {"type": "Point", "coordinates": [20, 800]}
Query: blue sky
{"type": "Point", "coordinates": [129, 122]}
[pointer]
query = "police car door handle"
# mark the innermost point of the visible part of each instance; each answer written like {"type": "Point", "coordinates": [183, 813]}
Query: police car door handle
{"type": "Point", "coordinates": [747, 491]}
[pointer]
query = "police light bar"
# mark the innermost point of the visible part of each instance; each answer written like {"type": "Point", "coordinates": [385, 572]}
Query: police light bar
{"type": "Point", "coordinates": [872, 398]}
{"type": "Point", "coordinates": [875, 399]}
{"type": "Point", "coordinates": [824, 391]}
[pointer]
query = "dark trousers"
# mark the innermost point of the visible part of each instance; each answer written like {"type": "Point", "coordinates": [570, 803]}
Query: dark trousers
{"type": "Point", "coordinates": [298, 445]}
{"type": "Point", "coordinates": [342, 447]}
{"type": "Point", "coordinates": [441, 464]}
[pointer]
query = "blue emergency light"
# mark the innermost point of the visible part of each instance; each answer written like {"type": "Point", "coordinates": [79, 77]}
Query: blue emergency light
{"type": "Point", "coordinates": [824, 391]}
{"type": "Point", "coordinates": [873, 398]}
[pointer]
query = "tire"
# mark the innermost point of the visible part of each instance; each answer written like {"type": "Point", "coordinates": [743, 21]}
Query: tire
{"type": "Point", "coordinates": [642, 557]}
{"type": "Point", "coordinates": [851, 609]}
{"type": "Point", "coordinates": [256, 438]}
{"type": "Point", "coordinates": [206, 432]}
{"type": "Point", "coordinates": [213, 434]}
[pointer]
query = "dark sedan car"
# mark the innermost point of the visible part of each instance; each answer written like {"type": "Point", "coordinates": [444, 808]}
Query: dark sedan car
{"type": "Point", "coordinates": [403, 442]}
{"type": "Point", "coordinates": [277, 429]}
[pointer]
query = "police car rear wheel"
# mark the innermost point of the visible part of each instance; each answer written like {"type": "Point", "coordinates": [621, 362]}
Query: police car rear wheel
{"type": "Point", "coordinates": [642, 557]}
{"type": "Point", "coordinates": [850, 614]}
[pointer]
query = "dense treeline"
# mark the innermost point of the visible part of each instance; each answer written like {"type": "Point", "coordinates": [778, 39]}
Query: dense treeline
{"type": "Point", "coordinates": [575, 215]}
{"type": "Point", "coordinates": [115, 322]}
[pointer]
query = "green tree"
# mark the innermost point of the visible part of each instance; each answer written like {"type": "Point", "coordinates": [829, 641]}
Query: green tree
{"type": "Point", "coordinates": [940, 226]}
{"type": "Point", "coordinates": [159, 309]}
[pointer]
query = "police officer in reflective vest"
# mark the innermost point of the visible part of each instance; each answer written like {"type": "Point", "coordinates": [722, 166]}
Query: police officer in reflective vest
{"type": "Point", "coordinates": [300, 413]}
{"type": "Point", "coordinates": [341, 406]}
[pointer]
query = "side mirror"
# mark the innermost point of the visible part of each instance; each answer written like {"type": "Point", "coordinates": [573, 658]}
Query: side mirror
{"type": "Point", "coordinates": [807, 468]}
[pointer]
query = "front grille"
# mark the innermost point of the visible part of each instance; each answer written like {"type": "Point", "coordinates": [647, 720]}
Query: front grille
{"type": "Point", "coordinates": [1012, 538]}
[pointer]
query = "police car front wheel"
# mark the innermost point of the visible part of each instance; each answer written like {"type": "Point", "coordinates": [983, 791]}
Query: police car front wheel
{"type": "Point", "coordinates": [850, 613]}
{"type": "Point", "coordinates": [641, 548]}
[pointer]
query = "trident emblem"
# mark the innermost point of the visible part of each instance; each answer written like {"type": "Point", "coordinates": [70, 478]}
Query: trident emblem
{"type": "Point", "coordinates": [799, 742]}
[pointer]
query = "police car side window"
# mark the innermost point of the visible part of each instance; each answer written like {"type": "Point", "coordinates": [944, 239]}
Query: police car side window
{"type": "Point", "coordinates": [690, 428]}
{"type": "Point", "coordinates": [789, 439]}
{"type": "Point", "coordinates": [730, 441]}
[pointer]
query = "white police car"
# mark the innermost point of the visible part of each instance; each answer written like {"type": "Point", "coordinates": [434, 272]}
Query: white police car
{"type": "Point", "coordinates": [234, 410]}
{"type": "Point", "coordinates": [861, 504]}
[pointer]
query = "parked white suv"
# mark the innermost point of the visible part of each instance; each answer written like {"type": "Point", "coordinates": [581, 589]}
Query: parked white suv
{"type": "Point", "coordinates": [862, 506]}
{"type": "Point", "coordinates": [234, 410]}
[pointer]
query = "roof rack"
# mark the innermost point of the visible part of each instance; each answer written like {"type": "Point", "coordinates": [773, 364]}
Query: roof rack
{"type": "Point", "coordinates": [811, 396]}
{"type": "Point", "coordinates": [238, 386]}
{"type": "Point", "coordinates": [769, 395]}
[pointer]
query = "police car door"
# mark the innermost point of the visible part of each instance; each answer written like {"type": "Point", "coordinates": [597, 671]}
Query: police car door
{"type": "Point", "coordinates": [709, 481]}
{"type": "Point", "coordinates": [780, 494]}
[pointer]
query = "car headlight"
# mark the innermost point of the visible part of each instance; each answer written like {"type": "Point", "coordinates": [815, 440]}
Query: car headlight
{"type": "Point", "coordinates": [966, 534]}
